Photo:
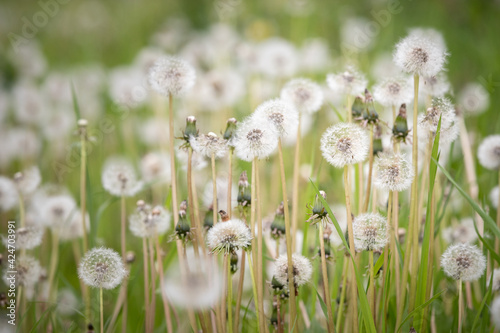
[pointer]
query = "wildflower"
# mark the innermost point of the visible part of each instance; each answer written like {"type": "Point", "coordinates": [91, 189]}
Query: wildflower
{"type": "Point", "coordinates": [26, 238]}
{"type": "Point", "coordinates": [495, 311]}
{"type": "Point", "coordinates": [255, 138]}
{"type": "Point", "coordinates": [191, 131]}
{"type": "Point", "coordinates": [428, 122]}
{"type": "Point", "coordinates": [102, 268]}
{"type": "Point", "coordinates": [393, 172]}
{"type": "Point", "coordinates": [73, 228]}
{"type": "Point", "coordinates": [371, 232]}
{"type": "Point", "coordinates": [400, 129]}
{"type": "Point", "coordinates": [494, 197]}
{"type": "Point", "coordinates": [435, 86]}
{"type": "Point", "coordinates": [350, 82]}
{"type": "Point", "coordinates": [29, 103]}
{"type": "Point", "coordinates": [474, 98]}
{"type": "Point", "coordinates": [463, 261]}
{"type": "Point", "coordinates": [8, 194]}
{"type": "Point", "coordinates": [278, 228]}
{"type": "Point", "coordinates": [55, 210]}
{"type": "Point", "coordinates": [302, 269]}
{"type": "Point", "coordinates": [462, 233]}
{"type": "Point", "coordinates": [126, 88]}
{"type": "Point", "coordinates": [314, 55]}
{"type": "Point", "coordinates": [393, 92]}
{"type": "Point", "coordinates": [28, 180]}
{"type": "Point", "coordinates": [219, 89]}
{"type": "Point", "coordinates": [171, 76]}
{"type": "Point", "coordinates": [306, 95]}
{"type": "Point", "coordinates": [230, 132]}
{"type": "Point", "coordinates": [431, 34]}
{"type": "Point", "coordinates": [209, 145]}
{"type": "Point", "coordinates": [279, 58]}
{"type": "Point", "coordinates": [420, 55]}
{"type": "Point", "coordinates": [345, 143]}
{"type": "Point", "coordinates": [244, 191]}
{"type": "Point", "coordinates": [28, 271]}
{"type": "Point", "coordinates": [119, 178]}
{"type": "Point", "coordinates": [229, 236]}
{"type": "Point", "coordinates": [281, 114]}
{"type": "Point", "coordinates": [318, 211]}
{"type": "Point", "coordinates": [222, 193]}
{"type": "Point", "coordinates": [495, 283]}
{"type": "Point", "coordinates": [155, 168]}
{"type": "Point", "coordinates": [149, 221]}
{"type": "Point", "coordinates": [200, 288]}
{"type": "Point", "coordinates": [488, 152]}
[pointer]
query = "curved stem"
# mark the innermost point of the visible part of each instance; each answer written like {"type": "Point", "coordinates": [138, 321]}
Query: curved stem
{"type": "Point", "coordinates": [328, 300]}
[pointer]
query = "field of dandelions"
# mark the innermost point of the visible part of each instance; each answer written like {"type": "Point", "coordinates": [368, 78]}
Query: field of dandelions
{"type": "Point", "coordinates": [247, 174]}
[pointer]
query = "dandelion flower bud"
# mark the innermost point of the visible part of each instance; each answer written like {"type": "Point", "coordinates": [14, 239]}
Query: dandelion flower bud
{"type": "Point", "coordinates": [281, 114]}
{"type": "Point", "coordinates": [306, 95]}
{"type": "Point", "coordinates": [370, 232]}
{"type": "Point", "coordinates": [255, 138]}
{"type": "Point", "coordinates": [400, 128]}
{"type": "Point", "coordinates": [488, 152]}
{"type": "Point", "coordinates": [171, 76]}
{"type": "Point", "coordinates": [393, 92]}
{"type": "Point", "coordinates": [28, 180]}
{"type": "Point", "coordinates": [200, 288]}
{"type": "Point", "coordinates": [230, 131]}
{"type": "Point", "coordinates": [191, 130]}
{"type": "Point", "coordinates": [463, 261]}
{"type": "Point", "coordinates": [208, 145]}
{"type": "Point", "coordinates": [474, 98]}
{"type": "Point", "coordinates": [495, 283]}
{"type": "Point", "coordinates": [393, 172]}
{"type": "Point", "coordinates": [8, 194]}
{"type": "Point", "coordinates": [148, 221]}
{"type": "Point", "coordinates": [344, 144]}
{"type": "Point", "coordinates": [244, 191]}
{"type": "Point", "coordinates": [420, 55]}
{"type": "Point", "coordinates": [27, 238]}
{"type": "Point", "coordinates": [302, 269]}
{"type": "Point", "coordinates": [228, 237]}
{"type": "Point", "coordinates": [495, 311]}
{"type": "Point", "coordinates": [350, 82]}
{"type": "Point", "coordinates": [28, 271]}
{"type": "Point", "coordinates": [278, 225]}
{"type": "Point", "coordinates": [119, 178]}
{"type": "Point", "coordinates": [102, 268]}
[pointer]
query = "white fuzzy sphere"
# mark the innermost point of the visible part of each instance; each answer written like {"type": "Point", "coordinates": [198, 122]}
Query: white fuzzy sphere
{"type": "Point", "coordinates": [26, 238]}
{"type": "Point", "coordinates": [495, 311]}
{"type": "Point", "coordinates": [474, 98]}
{"type": "Point", "coordinates": [102, 268]}
{"type": "Point", "coordinates": [370, 232]}
{"type": "Point", "coordinates": [119, 178]}
{"type": "Point", "coordinates": [281, 114]}
{"type": "Point", "coordinates": [463, 261]}
{"type": "Point", "coordinates": [393, 92]}
{"type": "Point", "coordinates": [255, 138]}
{"type": "Point", "coordinates": [488, 152]}
{"type": "Point", "coordinates": [305, 94]}
{"type": "Point", "coordinates": [28, 271]}
{"type": "Point", "coordinates": [149, 221]}
{"type": "Point", "coordinates": [345, 143]}
{"type": "Point", "coordinates": [8, 194]}
{"type": "Point", "coordinates": [171, 76]}
{"type": "Point", "coordinates": [495, 283]}
{"type": "Point", "coordinates": [350, 82]}
{"type": "Point", "coordinates": [393, 172]}
{"type": "Point", "coordinates": [229, 236]}
{"type": "Point", "coordinates": [495, 192]}
{"type": "Point", "coordinates": [302, 269]}
{"type": "Point", "coordinates": [208, 144]}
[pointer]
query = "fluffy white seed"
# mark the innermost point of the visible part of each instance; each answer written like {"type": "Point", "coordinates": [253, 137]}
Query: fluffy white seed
{"type": "Point", "coordinates": [255, 138]}
{"type": "Point", "coordinates": [306, 95]}
{"type": "Point", "coordinates": [208, 145]}
{"type": "Point", "coordinates": [350, 82]}
{"type": "Point", "coordinates": [171, 76]}
{"type": "Point", "coordinates": [229, 236]}
{"type": "Point", "coordinates": [393, 92]}
{"type": "Point", "coordinates": [370, 232]}
{"type": "Point", "coordinates": [302, 269]}
{"type": "Point", "coordinates": [281, 114]}
{"type": "Point", "coordinates": [474, 98]}
{"type": "Point", "coordinates": [8, 194]}
{"type": "Point", "coordinates": [119, 178]}
{"type": "Point", "coordinates": [463, 261]}
{"type": "Point", "coordinates": [102, 268]}
{"type": "Point", "coordinates": [149, 221]}
{"type": "Point", "coordinates": [393, 172]}
{"type": "Point", "coordinates": [345, 143]}
{"type": "Point", "coordinates": [488, 152]}
{"type": "Point", "coordinates": [28, 271]}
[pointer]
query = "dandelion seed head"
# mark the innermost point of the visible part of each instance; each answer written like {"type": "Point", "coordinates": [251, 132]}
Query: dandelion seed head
{"type": "Point", "coordinates": [73, 228]}
{"type": "Point", "coordinates": [278, 58]}
{"type": "Point", "coordinates": [28, 271]}
{"type": "Point", "coordinates": [393, 92]}
{"type": "Point", "coordinates": [255, 138]}
{"type": "Point", "coordinates": [208, 145]}
{"type": "Point", "coordinates": [463, 261]}
{"type": "Point", "coordinates": [344, 143]}
{"type": "Point", "coordinates": [8, 194]}
{"type": "Point", "coordinates": [149, 221]}
{"type": "Point", "coordinates": [200, 289]}
{"type": "Point", "coordinates": [171, 76]}
{"type": "Point", "coordinates": [27, 238]}
{"type": "Point", "coordinates": [488, 152]}
{"type": "Point", "coordinates": [302, 269]}
{"type": "Point", "coordinates": [350, 82]}
{"type": "Point", "coordinates": [219, 89]}
{"type": "Point", "coordinates": [474, 98]}
{"type": "Point", "coordinates": [102, 268]}
{"type": "Point", "coordinates": [495, 311]}
{"type": "Point", "coordinates": [428, 122]}
{"type": "Point", "coordinates": [418, 54]}
{"type": "Point", "coordinates": [435, 86]}
{"type": "Point", "coordinates": [55, 211]}
{"type": "Point", "coordinates": [281, 114]}
{"type": "Point", "coordinates": [155, 168]}
{"type": "Point", "coordinates": [306, 95]}
{"type": "Point", "coordinates": [393, 172]}
{"type": "Point", "coordinates": [67, 302]}
{"type": "Point", "coordinates": [119, 178]}
{"type": "Point", "coordinates": [495, 283]}
{"type": "Point", "coordinates": [229, 236]}
{"type": "Point", "coordinates": [464, 232]}
{"type": "Point", "coordinates": [495, 192]}
{"type": "Point", "coordinates": [370, 232]}
{"type": "Point", "coordinates": [28, 180]}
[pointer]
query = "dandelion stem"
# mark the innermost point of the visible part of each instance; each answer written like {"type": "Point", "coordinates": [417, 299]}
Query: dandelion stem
{"type": "Point", "coordinates": [146, 283]}
{"type": "Point", "coordinates": [54, 256]}
{"type": "Point", "coordinates": [229, 297]}
{"type": "Point", "coordinates": [198, 239]}
{"type": "Point", "coordinates": [224, 294]}
{"type": "Point", "coordinates": [370, 171]}
{"type": "Point", "coordinates": [101, 309]}
{"type": "Point", "coordinates": [289, 250]}
{"type": "Point", "coordinates": [371, 288]}
{"type": "Point", "coordinates": [240, 291]}
{"type": "Point", "coordinates": [254, 259]}
{"type": "Point", "coordinates": [124, 258]}
{"type": "Point", "coordinates": [497, 240]}
{"type": "Point", "coordinates": [229, 182]}
{"type": "Point", "coordinates": [342, 294]}
{"type": "Point", "coordinates": [83, 169]}
{"type": "Point", "coordinates": [153, 284]}
{"type": "Point", "coordinates": [354, 296]}
{"type": "Point", "coordinates": [259, 248]}
{"type": "Point", "coordinates": [175, 207]}
{"type": "Point", "coordinates": [295, 193]}
{"type": "Point", "coordinates": [166, 307]}
{"type": "Point", "coordinates": [328, 300]}
{"type": "Point", "coordinates": [460, 306]}
{"type": "Point", "coordinates": [214, 185]}
{"type": "Point", "coordinates": [250, 265]}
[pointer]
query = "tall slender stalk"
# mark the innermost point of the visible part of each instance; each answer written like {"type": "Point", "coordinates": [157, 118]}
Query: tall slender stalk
{"type": "Point", "coordinates": [173, 173]}
{"type": "Point", "coordinates": [497, 240]}
{"type": "Point", "coordinates": [342, 294]}
{"type": "Point", "coordinates": [259, 248]}
{"type": "Point", "coordinates": [166, 307]}
{"type": "Point", "coordinates": [54, 256]}
{"type": "Point", "coordinates": [152, 305]}
{"type": "Point", "coordinates": [124, 258]}
{"type": "Point", "coordinates": [328, 300]}
{"type": "Point", "coordinates": [229, 298]}
{"type": "Point", "coordinates": [214, 185]}
{"type": "Point", "coordinates": [370, 172]}
{"type": "Point", "coordinates": [229, 182]}
{"type": "Point", "coordinates": [295, 184]}
{"type": "Point", "coordinates": [371, 287]}
{"type": "Point", "coordinates": [255, 296]}
{"type": "Point", "coordinates": [253, 261]}
{"type": "Point", "coordinates": [224, 294]}
{"type": "Point", "coordinates": [289, 250]}
{"type": "Point", "coordinates": [198, 239]}
{"type": "Point", "coordinates": [101, 309]}
{"type": "Point", "coordinates": [240, 291]}
{"type": "Point", "coordinates": [460, 306]}
{"type": "Point", "coordinates": [146, 283]}
{"type": "Point", "coordinates": [354, 295]}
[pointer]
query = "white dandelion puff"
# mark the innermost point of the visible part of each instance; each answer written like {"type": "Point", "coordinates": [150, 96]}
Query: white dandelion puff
{"type": "Point", "coordinates": [26, 238]}
{"type": "Point", "coordinates": [149, 221]}
{"type": "Point", "coordinates": [344, 144]}
{"type": "Point", "coordinates": [119, 178]}
{"type": "Point", "coordinates": [171, 76]}
{"type": "Point", "coordinates": [461, 233]}
{"type": "Point", "coordinates": [428, 122]}
{"type": "Point", "coordinates": [302, 269]}
{"type": "Point", "coordinates": [228, 237]}
{"type": "Point", "coordinates": [102, 268]}
{"type": "Point", "coordinates": [279, 58]}
{"type": "Point", "coordinates": [474, 98]}
{"type": "Point", "coordinates": [73, 228]}
{"type": "Point", "coordinates": [370, 232]}
{"type": "Point", "coordinates": [55, 211]}
{"type": "Point", "coordinates": [495, 282]}
{"type": "Point", "coordinates": [393, 172]}
{"type": "Point", "coordinates": [305, 94]}
{"type": "Point", "coordinates": [281, 114]}
{"type": "Point", "coordinates": [495, 192]}
{"type": "Point", "coordinates": [67, 302]}
{"type": "Point", "coordinates": [155, 168]}
{"type": "Point", "coordinates": [350, 82]}
{"type": "Point", "coordinates": [419, 54]}
{"type": "Point", "coordinates": [393, 92]}
{"type": "Point", "coordinates": [209, 144]}
{"type": "Point", "coordinates": [463, 261]}
{"type": "Point", "coordinates": [488, 152]}
{"type": "Point", "coordinates": [28, 180]}
{"type": "Point", "coordinates": [8, 194]}
{"type": "Point", "coordinates": [435, 86]}
{"type": "Point", "coordinates": [28, 271]}
{"type": "Point", "coordinates": [255, 138]}
{"type": "Point", "coordinates": [495, 311]}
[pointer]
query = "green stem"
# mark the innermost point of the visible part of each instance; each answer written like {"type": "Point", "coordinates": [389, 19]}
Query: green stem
{"type": "Point", "coordinates": [371, 287]}
{"type": "Point", "coordinates": [101, 309]}
{"type": "Point", "coordinates": [229, 298]}
{"type": "Point", "coordinates": [230, 182]}
{"type": "Point", "coordinates": [240, 291]}
{"type": "Point", "coordinates": [295, 184]}
{"type": "Point", "coordinates": [259, 249]}
{"type": "Point", "coordinates": [328, 300]}
{"type": "Point", "coordinates": [342, 294]}
{"type": "Point", "coordinates": [370, 172]}
{"type": "Point", "coordinates": [124, 258]}
{"type": "Point", "coordinates": [146, 283]}
{"type": "Point", "coordinates": [214, 185]}
{"type": "Point", "coordinates": [198, 239]}
{"type": "Point", "coordinates": [254, 284]}
{"type": "Point", "coordinates": [460, 306]}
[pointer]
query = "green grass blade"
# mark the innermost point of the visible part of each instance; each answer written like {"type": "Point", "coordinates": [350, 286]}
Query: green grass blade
{"type": "Point", "coordinates": [481, 307]}
{"type": "Point", "coordinates": [420, 307]}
